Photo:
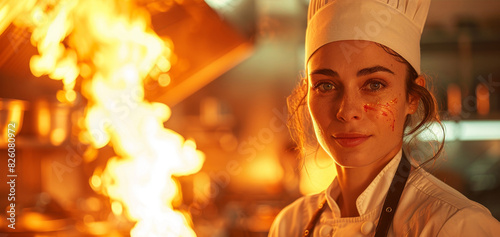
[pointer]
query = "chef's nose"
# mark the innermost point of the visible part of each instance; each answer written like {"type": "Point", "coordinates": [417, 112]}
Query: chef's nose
{"type": "Point", "coordinates": [351, 108]}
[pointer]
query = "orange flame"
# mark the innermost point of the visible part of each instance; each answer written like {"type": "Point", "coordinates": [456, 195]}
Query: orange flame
{"type": "Point", "coordinates": [110, 45]}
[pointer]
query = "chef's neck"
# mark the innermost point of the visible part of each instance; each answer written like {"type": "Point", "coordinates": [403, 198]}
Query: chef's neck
{"type": "Point", "coordinates": [353, 181]}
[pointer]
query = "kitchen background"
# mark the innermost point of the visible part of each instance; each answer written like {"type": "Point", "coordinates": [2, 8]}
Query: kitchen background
{"type": "Point", "coordinates": [229, 67]}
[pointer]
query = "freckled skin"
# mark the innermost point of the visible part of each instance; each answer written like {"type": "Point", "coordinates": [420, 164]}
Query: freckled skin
{"type": "Point", "coordinates": [352, 102]}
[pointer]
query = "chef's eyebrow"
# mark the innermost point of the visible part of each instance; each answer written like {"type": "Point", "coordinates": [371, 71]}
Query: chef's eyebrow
{"type": "Point", "coordinates": [362, 72]}
{"type": "Point", "coordinates": [325, 71]}
{"type": "Point", "coordinates": [371, 70]}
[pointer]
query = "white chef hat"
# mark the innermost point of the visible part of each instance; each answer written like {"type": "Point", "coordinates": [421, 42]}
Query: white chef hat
{"type": "Point", "coordinates": [397, 24]}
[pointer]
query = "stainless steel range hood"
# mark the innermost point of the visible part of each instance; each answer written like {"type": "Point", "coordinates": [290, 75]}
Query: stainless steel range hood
{"type": "Point", "coordinates": [206, 47]}
{"type": "Point", "coordinates": [204, 44]}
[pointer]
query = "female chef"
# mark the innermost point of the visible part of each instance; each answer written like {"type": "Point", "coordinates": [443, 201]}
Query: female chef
{"type": "Point", "coordinates": [363, 94]}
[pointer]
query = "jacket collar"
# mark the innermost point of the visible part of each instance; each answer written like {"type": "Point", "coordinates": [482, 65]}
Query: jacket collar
{"type": "Point", "coordinates": [373, 196]}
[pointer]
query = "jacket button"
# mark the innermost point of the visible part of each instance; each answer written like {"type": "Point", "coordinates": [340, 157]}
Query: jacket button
{"type": "Point", "coordinates": [326, 230]}
{"type": "Point", "coordinates": [367, 227]}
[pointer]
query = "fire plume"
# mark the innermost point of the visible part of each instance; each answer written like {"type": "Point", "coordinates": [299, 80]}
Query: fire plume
{"type": "Point", "coordinates": [109, 45]}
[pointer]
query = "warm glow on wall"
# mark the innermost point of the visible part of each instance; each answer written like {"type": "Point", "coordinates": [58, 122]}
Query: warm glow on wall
{"type": "Point", "coordinates": [264, 170]}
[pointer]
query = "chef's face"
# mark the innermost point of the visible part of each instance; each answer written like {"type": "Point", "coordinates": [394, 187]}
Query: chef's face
{"type": "Point", "coordinates": [358, 102]}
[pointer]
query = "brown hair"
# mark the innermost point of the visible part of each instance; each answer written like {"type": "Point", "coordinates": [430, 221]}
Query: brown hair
{"type": "Point", "coordinates": [302, 131]}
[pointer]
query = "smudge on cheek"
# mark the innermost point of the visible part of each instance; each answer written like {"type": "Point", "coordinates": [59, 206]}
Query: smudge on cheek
{"type": "Point", "coordinates": [369, 107]}
{"type": "Point", "coordinates": [384, 110]}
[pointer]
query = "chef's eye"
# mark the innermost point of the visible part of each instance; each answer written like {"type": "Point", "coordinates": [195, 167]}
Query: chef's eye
{"type": "Point", "coordinates": [374, 85]}
{"type": "Point", "coordinates": [324, 86]}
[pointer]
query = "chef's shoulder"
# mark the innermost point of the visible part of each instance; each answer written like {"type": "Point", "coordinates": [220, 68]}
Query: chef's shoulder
{"type": "Point", "coordinates": [440, 210]}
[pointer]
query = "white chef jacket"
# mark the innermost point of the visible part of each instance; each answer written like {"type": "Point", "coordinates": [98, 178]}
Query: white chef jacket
{"type": "Point", "coordinates": [428, 207]}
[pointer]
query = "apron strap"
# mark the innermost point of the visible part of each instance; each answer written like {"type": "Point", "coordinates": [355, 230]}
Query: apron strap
{"type": "Point", "coordinates": [393, 196]}
{"type": "Point", "coordinates": [314, 219]}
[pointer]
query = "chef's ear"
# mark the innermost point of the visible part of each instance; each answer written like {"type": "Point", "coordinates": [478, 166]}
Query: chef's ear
{"type": "Point", "coordinates": [414, 98]}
